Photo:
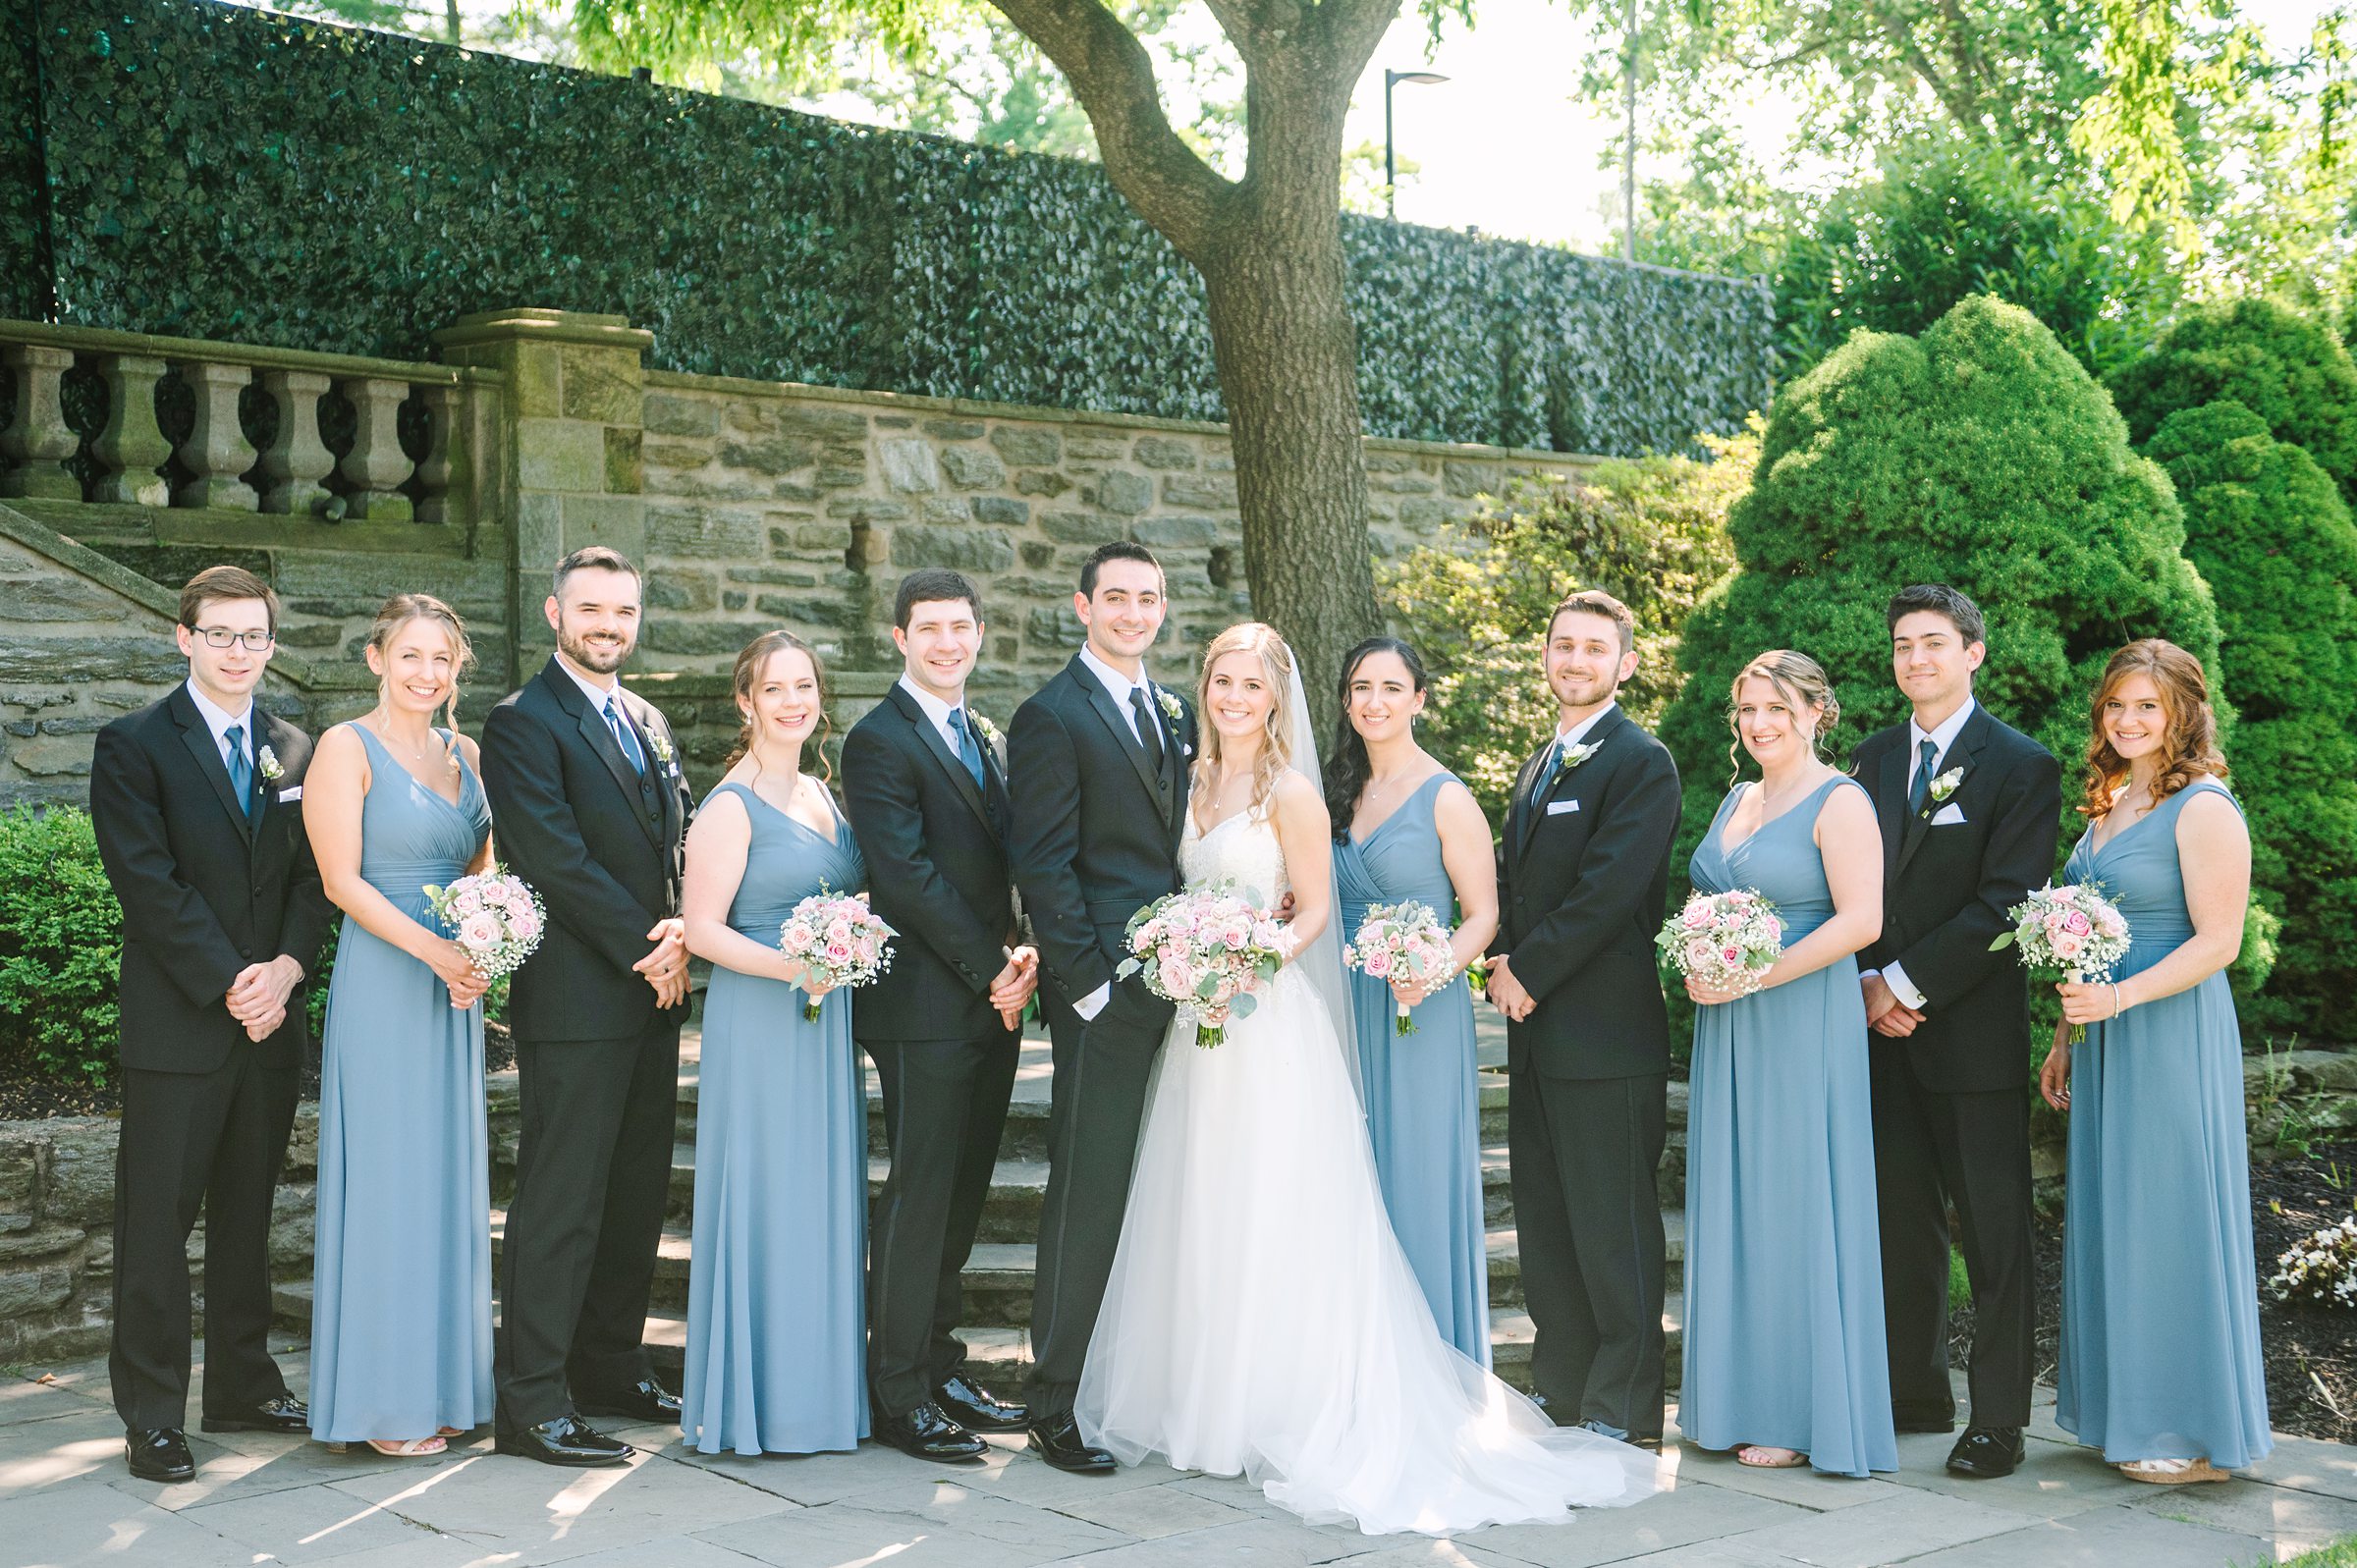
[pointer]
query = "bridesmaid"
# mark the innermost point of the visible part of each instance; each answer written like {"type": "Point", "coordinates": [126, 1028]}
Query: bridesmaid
{"type": "Point", "coordinates": [1405, 828]}
{"type": "Point", "coordinates": [1785, 1354]}
{"type": "Point", "coordinates": [776, 1354]}
{"type": "Point", "coordinates": [2160, 1365]}
{"type": "Point", "coordinates": [401, 1303]}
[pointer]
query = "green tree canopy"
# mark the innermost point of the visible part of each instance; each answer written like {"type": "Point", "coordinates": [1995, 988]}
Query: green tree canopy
{"type": "Point", "coordinates": [1980, 454]}
{"type": "Point", "coordinates": [2274, 541]}
{"type": "Point", "coordinates": [2287, 367]}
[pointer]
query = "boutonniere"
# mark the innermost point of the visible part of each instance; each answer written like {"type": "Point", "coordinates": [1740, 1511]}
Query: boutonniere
{"type": "Point", "coordinates": [983, 728]}
{"type": "Point", "coordinates": [1574, 756]}
{"type": "Point", "coordinates": [1943, 786]}
{"type": "Point", "coordinates": [272, 769]}
{"type": "Point", "coordinates": [659, 743]}
{"type": "Point", "coordinates": [1172, 708]}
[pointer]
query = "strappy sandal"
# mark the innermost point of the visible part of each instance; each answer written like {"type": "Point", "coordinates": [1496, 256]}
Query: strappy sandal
{"type": "Point", "coordinates": [1793, 1460]}
{"type": "Point", "coordinates": [404, 1448]}
{"type": "Point", "coordinates": [2172, 1472]}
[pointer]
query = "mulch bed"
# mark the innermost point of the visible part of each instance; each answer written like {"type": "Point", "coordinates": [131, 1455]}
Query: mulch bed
{"type": "Point", "coordinates": [2311, 1351]}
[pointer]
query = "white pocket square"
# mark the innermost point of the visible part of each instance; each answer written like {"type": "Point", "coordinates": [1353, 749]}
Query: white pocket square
{"type": "Point", "coordinates": [1555, 808]}
{"type": "Point", "coordinates": [1949, 816]}
{"type": "Point", "coordinates": [290, 792]}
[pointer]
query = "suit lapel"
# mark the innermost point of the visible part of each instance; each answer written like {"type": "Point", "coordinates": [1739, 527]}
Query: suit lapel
{"type": "Point", "coordinates": [1532, 812]}
{"type": "Point", "coordinates": [1891, 800]}
{"type": "Point", "coordinates": [1093, 692]}
{"type": "Point", "coordinates": [1966, 754]}
{"type": "Point", "coordinates": [593, 726]}
{"type": "Point", "coordinates": [949, 761]}
{"type": "Point", "coordinates": [197, 737]}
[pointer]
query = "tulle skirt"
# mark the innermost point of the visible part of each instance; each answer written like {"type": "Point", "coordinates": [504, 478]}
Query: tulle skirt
{"type": "Point", "coordinates": [1262, 1321]}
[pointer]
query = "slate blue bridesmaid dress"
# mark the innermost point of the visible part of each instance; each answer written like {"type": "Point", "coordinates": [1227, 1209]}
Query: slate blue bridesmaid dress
{"type": "Point", "coordinates": [776, 1321]}
{"type": "Point", "coordinates": [401, 1273]}
{"type": "Point", "coordinates": [2159, 1356]}
{"type": "Point", "coordinates": [1423, 1099]}
{"type": "Point", "coordinates": [1784, 1331]}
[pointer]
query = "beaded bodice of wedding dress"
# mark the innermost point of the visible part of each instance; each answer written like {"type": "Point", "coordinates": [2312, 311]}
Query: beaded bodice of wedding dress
{"type": "Point", "coordinates": [1242, 849]}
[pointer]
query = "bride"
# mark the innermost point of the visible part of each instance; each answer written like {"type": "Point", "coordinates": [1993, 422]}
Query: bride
{"type": "Point", "coordinates": [1261, 1319]}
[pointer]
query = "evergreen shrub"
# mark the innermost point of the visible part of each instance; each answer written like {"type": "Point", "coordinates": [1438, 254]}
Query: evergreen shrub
{"type": "Point", "coordinates": [2270, 536]}
{"type": "Point", "coordinates": [61, 938]}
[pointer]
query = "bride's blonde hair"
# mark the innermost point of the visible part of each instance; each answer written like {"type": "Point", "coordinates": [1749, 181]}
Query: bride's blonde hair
{"type": "Point", "coordinates": [1277, 747]}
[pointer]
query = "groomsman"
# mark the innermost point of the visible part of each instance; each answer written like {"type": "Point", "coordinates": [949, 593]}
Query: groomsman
{"type": "Point", "coordinates": [1102, 752]}
{"type": "Point", "coordinates": [592, 811]}
{"type": "Point", "coordinates": [1583, 876]}
{"type": "Point", "coordinates": [195, 803]}
{"type": "Point", "coordinates": [1970, 810]}
{"type": "Point", "coordinates": [926, 793]}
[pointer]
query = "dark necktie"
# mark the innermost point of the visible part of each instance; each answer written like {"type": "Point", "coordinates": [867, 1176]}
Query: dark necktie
{"type": "Point", "coordinates": [624, 738]}
{"type": "Point", "coordinates": [1921, 790]}
{"type": "Point", "coordinates": [1149, 733]}
{"type": "Point", "coordinates": [968, 751]}
{"type": "Point", "coordinates": [240, 770]}
{"type": "Point", "coordinates": [1547, 771]}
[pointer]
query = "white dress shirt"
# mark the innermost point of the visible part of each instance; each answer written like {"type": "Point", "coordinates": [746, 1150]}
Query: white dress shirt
{"type": "Point", "coordinates": [596, 693]}
{"type": "Point", "coordinates": [1120, 686]}
{"type": "Point", "coordinates": [1577, 732]}
{"type": "Point", "coordinates": [219, 723]}
{"type": "Point", "coordinates": [1942, 738]}
{"type": "Point", "coordinates": [939, 711]}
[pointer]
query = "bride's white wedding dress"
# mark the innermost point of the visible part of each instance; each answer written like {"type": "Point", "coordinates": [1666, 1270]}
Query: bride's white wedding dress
{"type": "Point", "coordinates": [1261, 1319]}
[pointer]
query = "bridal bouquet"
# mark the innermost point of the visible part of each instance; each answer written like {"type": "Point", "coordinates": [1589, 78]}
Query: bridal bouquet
{"type": "Point", "coordinates": [1725, 939]}
{"type": "Point", "coordinates": [838, 940]}
{"type": "Point", "coordinates": [1208, 951]}
{"type": "Point", "coordinates": [494, 917]}
{"type": "Point", "coordinates": [2072, 931]}
{"type": "Point", "coordinates": [1402, 942]}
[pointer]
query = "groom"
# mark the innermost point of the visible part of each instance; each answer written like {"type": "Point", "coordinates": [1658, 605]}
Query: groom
{"type": "Point", "coordinates": [591, 811]}
{"type": "Point", "coordinates": [1099, 757]}
{"type": "Point", "coordinates": [1970, 809]}
{"type": "Point", "coordinates": [1583, 879]}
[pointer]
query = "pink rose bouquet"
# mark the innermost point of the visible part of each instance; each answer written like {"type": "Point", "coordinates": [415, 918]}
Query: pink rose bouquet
{"type": "Point", "coordinates": [1209, 951]}
{"type": "Point", "coordinates": [1404, 941]}
{"type": "Point", "coordinates": [1725, 939]}
{"type": "Point", "coordinates": [494, 917]}
{"type": "Point", "coordinates": [839, 941]}
{"type": "Point", "coordinates": [2072, 931]}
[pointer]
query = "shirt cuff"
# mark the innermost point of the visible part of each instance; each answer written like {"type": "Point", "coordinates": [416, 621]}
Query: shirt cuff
{"type": "Point", "coordinates": [1091, 1006]}
{"type": "Point", "coordinates": [1895, 977]}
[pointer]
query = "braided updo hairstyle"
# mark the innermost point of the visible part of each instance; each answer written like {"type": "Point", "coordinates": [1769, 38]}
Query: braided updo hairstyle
{"type": "Point", "coordinates": [1803, 684]}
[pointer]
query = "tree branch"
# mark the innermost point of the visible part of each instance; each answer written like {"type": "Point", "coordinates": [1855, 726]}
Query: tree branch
{"type": "Point", "coordinates": [1112, 76]}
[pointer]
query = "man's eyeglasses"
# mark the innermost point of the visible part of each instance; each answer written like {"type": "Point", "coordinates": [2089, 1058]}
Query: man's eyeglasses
{"type": "Point", "coordinates": [222, 637]}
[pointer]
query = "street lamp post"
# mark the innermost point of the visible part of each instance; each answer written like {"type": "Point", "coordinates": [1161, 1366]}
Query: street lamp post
{"type": "Point", "coordinates": [1391, 174]}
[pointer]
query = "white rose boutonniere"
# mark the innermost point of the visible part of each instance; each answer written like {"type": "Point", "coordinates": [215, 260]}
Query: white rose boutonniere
{"type": "Point", "coordinates": [988, 731]}
{"type": "Point", "coordinates": [1172, 708]}
{"type": "Point", "coordinates": [658, 743]}
{"type": "Point", "coordinates": [272, 769]}
{"type": "Point", "coordinates": [1574, 756]}
{"type": "Point", "coordinates": [1943, 786]}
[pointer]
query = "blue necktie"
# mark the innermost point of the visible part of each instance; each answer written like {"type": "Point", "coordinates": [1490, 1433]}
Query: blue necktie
{"type": "Point", "coordinates": [1921, 790]}
{"type": "Point", "coordinates": [240, 770]}
{"type": "Point", "coordinates": [624, 738]}
{"type": "Point", "coordinates": [1547, 771]}
{"type": "Point", "coordinates": [968, 751]}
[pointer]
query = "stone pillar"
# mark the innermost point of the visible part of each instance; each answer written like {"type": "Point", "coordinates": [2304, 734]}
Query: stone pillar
{"type": "Point", "coordinates": [39, 441]}
{"type": "Point", "coordinates": [568, 465]}
{"type": "Point", "coordinates": [377, 466]}
{"type": "Point", "coordinates": [435, 501]}
{"type": "Point", "coordinates": [132, 449]}
{"type": "Point", "coordinates": [297, 459]}
{"type": "Point", "coordinates": [216, 452]}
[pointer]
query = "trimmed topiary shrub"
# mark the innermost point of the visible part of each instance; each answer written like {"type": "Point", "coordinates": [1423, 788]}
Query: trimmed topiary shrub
{"type": "Point", "coordinates": [2289, 369]}
{"type": "Point", "coordinates": [61, 936]}
{"type": "Point", "coordinates": [2277, 546]}
{"type": "Point", "coordinates": [1981, 455]}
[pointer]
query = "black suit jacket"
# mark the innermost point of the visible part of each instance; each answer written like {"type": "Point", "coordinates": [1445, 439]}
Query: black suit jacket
{"type": "Point", "coordinates": [1582, 884]}
{"type": "Point", "coordinates": [1087, 859]}
{"type": "Point", "coordinates": [602, 845]}
{"type": "Point", "coordinates": [1946, 891]}
{"type": "Point", "coordinates": [936, 853]}
{"type": "Point", "coordinates": [205, 892]}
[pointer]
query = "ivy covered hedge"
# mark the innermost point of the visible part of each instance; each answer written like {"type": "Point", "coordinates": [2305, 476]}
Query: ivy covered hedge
{"type": "Point", "coordinates": [228, 173]}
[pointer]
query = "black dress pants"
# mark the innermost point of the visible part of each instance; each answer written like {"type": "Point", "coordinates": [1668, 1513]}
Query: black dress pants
{"type": "Point", "coordinates": [945, 1106]}
{"type": "Point", "coordinates": [191, 1141]}
{"type": "Point", "coordinates": [592, 1173]}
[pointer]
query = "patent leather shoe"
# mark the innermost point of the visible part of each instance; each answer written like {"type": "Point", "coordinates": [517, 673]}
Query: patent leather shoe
{"type": "Point", "coordinates": [976, 1407]}
{"type": "Point", "coordinates": [158, 1454]}
{"type": "Point", "coordinates": [564, 1440]}
{"type": "Point", "coordinates": [285, 1413]}
{"type": "Point", "coordinates": [644, 1401]}
{"type": "Point", "coordinates": [1987, 1452]}
{"type": "Point", "coordinates": [1058, 1440]}
{"type": "Point", "coordinates": [926, 1433]}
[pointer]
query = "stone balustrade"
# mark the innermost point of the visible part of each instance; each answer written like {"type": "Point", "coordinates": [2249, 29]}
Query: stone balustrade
{"type": "Point", "coordinates": [171, 422]}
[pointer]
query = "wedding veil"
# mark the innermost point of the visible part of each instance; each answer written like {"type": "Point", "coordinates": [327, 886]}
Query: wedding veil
{"type": "Point", "coordinates": [1321, 962]}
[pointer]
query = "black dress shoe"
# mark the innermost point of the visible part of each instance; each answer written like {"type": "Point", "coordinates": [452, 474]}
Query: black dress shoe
{"type": "Point", "coordinates": [976, 1407]}
{"type": "Point", "coordinates": [158, 1454]}
{"type": "Point", "coordinates": [1908, 1424]}
{"type": "Point", "coordinates": [1987, 1452]}
{"type": "Point", "coordinates": [1058, 1440]}
{"type": "Point", "coordinates": [644, 1401]}
{"type": "Point", "coordinates": [926, 1433]}
{"type": "Point", "coordinates": [286, 1413]}
{"type": "Point", "coordinates": [564, 1440]}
